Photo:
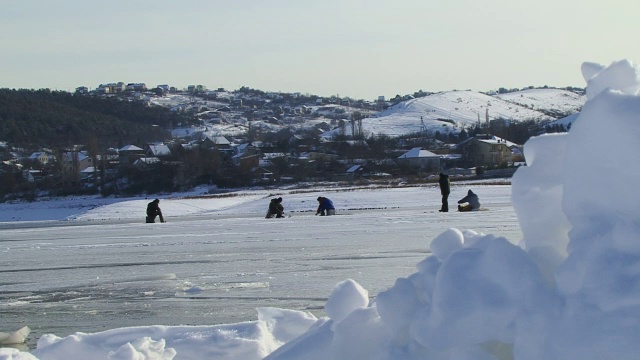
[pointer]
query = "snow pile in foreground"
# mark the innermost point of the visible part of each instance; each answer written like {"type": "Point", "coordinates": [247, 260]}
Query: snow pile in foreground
{"type": "Point", "coordinates": [570, 291]}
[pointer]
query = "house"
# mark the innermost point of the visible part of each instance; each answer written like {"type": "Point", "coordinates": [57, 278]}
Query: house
{"type": "Point", "coordinates": [196, 88]}
{"type": "Point", "coordinates": [136, 87]}
{"type": "Point", "coordinates": [87, 174]}
{"type": "Point", "coordinates": [247, 162]}
{"type": "Point", "coordinates": [244, 149]}
{"type": "Point", "coordinates": [420, 159]}
{"type": "Point", "coordinates": [32, 176]}
{"type": "Point", "coordinates": [75, 161]}
{"type": "Point", "coordinates": [488, 150]}
{"type": "Point", "coordinates": [41, 157]}
{"type": "Point", "coordinates": [218, 142]}
{"type": "Point", "coordinates": [192, 145]}
{"type": "Point", "coordinates": [111, 88]}
{"type": "Point", "coordinates": [318, 156]}
{"type": "Point", "coordinates": [267, 158]}
{"type": "Point", "coordinates": [357, 171]}
{"type": "Point", "coordinates": [157, 150]}
{"type": "Point", "coordinates": [129, 154]}
{"type": "Point", "coordinates": [262, 174]}
{"type": "Point", "coordinates": [109, 160]}
{"type": "Point", "coordinates": [145, 163]}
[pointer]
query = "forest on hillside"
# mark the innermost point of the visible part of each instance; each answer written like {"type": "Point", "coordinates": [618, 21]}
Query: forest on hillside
{"type": "Point", "coordinates": [37, 118]}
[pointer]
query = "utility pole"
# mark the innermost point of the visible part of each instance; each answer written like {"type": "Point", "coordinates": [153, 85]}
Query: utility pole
{"type": "Point", "coordinates": [487, 121]}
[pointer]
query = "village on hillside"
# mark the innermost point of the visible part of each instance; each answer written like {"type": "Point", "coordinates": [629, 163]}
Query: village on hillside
{"type": "Point", "coordinates": [248, 137]}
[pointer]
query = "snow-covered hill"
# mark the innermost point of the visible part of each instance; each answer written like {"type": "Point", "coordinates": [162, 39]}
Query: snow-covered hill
{"type": "Point", "coordinates": [452, 111]}
{"type": "Point", "coordinates": [549, 101]}
{"type": "Point", "coordinates": [449, 111]}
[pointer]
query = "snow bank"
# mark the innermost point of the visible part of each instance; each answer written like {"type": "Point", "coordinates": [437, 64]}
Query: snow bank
{"type": "Point", "coordinates": [570, 290]}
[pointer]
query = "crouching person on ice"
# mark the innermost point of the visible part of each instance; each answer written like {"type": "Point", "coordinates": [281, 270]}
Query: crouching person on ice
{"type": "Point", "coordinates": [153, 210]}
{"type": "Point", "coordinates": [471, 202]}
{"type": "Point", "coordinates": [275, 209]}
{"type": "Point", "coordinates": [325, 207]}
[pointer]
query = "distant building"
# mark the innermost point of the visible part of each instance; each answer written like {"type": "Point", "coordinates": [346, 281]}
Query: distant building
{"type": "Point", "coordinates": [144, 163]}
{"type": "Point", "coordinates": [261, 174]}
{"type": "Point", "coordinates": [196, 88]}
{"type": "Point", "coordinates": [129, 154]}
{"type": "Point", "coordinates": [76, 161]}
{"type": "Point", "coordinates": [157, 150]}
{"type": "Point", "coordinates": [219, 142]}
{"type": "Point", "coordinates": [136, 87]}
{"type": "Point", "coordinates": [111, 88]}
{"type": "Point", "coordinates": [32, 176]}
{"type": "Point", "coordinates": [488, 150]}
{"type": "Point", "coordinates": [42, 157]}
{"type": "Point", "coordinates": [420, 159]}
{"type": "Point", "coordinates": [357, 171]}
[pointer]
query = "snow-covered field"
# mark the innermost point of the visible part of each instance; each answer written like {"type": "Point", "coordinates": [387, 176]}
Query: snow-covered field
{"type": "Point", "coordinates": [564, 284]}
{"type": "Point", "coordinates": [89, 265]}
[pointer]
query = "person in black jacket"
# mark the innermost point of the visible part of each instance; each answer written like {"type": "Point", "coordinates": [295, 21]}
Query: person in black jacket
{"type": "Point", "coordinates": [445, 189]}
{"type": "Point", "coordinates": [153, 210]}
{"type": "Point", "coordinates": [275, 209]}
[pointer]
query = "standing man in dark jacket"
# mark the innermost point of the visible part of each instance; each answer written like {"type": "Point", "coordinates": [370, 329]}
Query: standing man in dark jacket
{"type": "Point", "coordinates": [445, 189]}
{"type": "Point", "coordinates": [153, 210]}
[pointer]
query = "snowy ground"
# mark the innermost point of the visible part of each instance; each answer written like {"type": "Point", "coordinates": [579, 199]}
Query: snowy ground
{"type": "Point", "coordinates": [216, 259]}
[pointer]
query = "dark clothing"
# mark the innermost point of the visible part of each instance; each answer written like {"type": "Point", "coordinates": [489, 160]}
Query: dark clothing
{"type": "Point", "coordinates": [445, 190]}
{"type": "Point", "coordinates": [153, 210]}
{"type": "Point", "coordinates": [275, 209]}
{"type": "Point", "coordinates": [325, 207]}
{"type": "Point", "coordinates": [472, 200]}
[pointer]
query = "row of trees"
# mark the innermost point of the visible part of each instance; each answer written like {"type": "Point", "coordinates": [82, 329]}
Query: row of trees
{"type": "Point", "coordinates": [33, 118]}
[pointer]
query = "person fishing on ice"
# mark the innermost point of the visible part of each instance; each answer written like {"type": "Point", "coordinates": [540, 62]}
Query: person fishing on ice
{"type": "Point", "coordinates": [153, 210]}
{"type": "Point", "coordinates": [471, 202]}
{"type": "Point", "coordinates": [275, 209]}
{"type": "Point", "coordinates": [325, 207]}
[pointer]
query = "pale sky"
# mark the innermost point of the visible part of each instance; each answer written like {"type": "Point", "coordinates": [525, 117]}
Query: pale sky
{"type": "Point", "coordinates": [354, 48]}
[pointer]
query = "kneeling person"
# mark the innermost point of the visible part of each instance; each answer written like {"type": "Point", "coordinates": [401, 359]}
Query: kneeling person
{"type": "Point", "coordinates": [153, 210]}
{"type": "Point", "coordinates": [325, 207]}
{"type": "Point", "coordinates": [275, 209]}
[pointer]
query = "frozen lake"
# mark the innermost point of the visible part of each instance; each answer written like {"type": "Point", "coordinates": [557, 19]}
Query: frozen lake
{"type": "Point", "coordinates": [217, 266]}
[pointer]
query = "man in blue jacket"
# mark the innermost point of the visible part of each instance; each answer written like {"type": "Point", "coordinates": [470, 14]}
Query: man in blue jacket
{"type": "Point", "coordinates": [325, 207]}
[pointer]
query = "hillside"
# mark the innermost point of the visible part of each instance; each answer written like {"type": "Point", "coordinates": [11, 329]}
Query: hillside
{"type": "Point", "coordinates": [48, 118]}
{"type": "Point", "coordinates": [452, 111]}
{"type": "Point", "coordinates": [56, 118]}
